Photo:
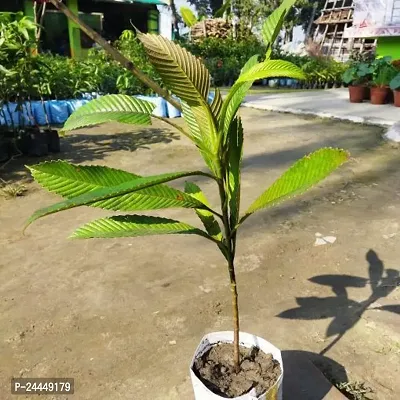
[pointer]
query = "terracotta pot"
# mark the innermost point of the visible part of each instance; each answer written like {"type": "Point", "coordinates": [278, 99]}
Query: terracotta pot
{"type": "Point", "coordinates": [379, 95]}
{"type": "Point", "coordinates": [396, 94]}
{"type": "Point", "coordinates": [356, 94]}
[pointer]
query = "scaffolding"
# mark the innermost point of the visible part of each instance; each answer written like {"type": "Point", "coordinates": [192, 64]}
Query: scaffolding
{"type": "Point", "coordinates": [337, 16]}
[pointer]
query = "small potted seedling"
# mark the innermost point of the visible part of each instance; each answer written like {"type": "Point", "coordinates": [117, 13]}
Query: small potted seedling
{"type": "Point", "coordinates": [395, 86]}
{"type": "Point", "coordinates": [357, 76]}
{"type": "Point", "coordinates": [383, 73]}
{"type": "Point", "coordinates": [251, 367]}
{"type": "Point", "coordinates": [217, 131]}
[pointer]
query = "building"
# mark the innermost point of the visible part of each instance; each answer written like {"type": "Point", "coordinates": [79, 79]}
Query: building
{"type": "Point", "coordinates": [347, 26]}
{"type": "Point", "coordinates": [336, 18]}
{"type": "Point", "coordinates": [108, 17]}
{"type": "Point", "coordinates": [378, 19]}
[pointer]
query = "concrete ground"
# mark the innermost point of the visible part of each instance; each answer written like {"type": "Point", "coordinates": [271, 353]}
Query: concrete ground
{"type": "Point", "coordinates": [333, 103]}
{"type": "Point", "coordinates": [123, 317]}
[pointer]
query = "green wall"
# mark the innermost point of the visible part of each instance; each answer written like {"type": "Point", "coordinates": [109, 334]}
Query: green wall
{"type": "Point", "coordinates": [74, 31]}
{"type": "Point", "coordinates": [28, 9]}
{"type": "Point", "coordinates": [152, 21]}
{"type": "Point", "coordinates": [389, 46]}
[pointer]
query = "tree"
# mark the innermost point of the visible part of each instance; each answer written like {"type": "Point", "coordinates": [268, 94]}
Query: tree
{"type": "Point", "coordinates": [307, 14]}
{"type": "Point", "coordinates": [206, 8]}
{"type": "Point", "coordinates": [215, 129]}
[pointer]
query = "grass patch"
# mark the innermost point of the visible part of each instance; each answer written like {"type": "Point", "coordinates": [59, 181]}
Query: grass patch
{"type": "Point", "coordinates": [12, 190]}
{"type": "Point", "coordinates": [355, 390]}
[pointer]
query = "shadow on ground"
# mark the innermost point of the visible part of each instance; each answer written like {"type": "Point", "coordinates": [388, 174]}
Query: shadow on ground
{"type": "Point", "coordinates": [81, 147]}
{"type": "Point", "coordinates": [303, 382]}
{"type": "Point", "coordinates": [345, 312]}
{"type": "Point", "coordinates": [354, 143]}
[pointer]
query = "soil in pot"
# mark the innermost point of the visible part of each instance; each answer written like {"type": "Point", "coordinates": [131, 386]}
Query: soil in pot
{"type": "Point", "coordinates": [215, 369]}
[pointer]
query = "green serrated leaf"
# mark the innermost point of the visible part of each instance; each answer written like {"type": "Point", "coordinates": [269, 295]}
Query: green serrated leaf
{"type": "Point", "coordinates": [188, 17]}
{"type": "Point", "coordinates": [188, 78]}
{"type": "Point", "coordinates": [251, 72]}
{"type": "Point", "coordinates": [190, 120]}
{"type": "Point", "coordinates": [271, 69]}
{"type": "Point", "coordinates": [216, 105]}
{"type": "Point", "coordinates": [110, 192]}
{"type": "Point", "coordinates": [206, 217]}
{"type": "Point", "coordinates": [201, 141]}
{"type": "Point", "coordinates": [183, 73]}
{"type": "Point", "coordinates": [112, 107]}
{"type": "Point", "coordinates": [273, 25]}
{"type": "Point", "coordinates": [134, 225]}
{"type": "Point", "coordinates": [250, 63]}
{"type": "Point", "coordinates": [236, 96]}
{"type": "Point", "coordinates": [235, 141]}
{"type": "Point", "coordinates": [70, 180]}
{"type": "Point", "coordinates": [103, 117]}
{"type": "Point", "coordinates": [301, 176]}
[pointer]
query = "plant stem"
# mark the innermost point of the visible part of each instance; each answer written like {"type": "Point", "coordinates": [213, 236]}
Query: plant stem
{"type": "Point", "coordinates": [125, 62]}
{"type": "Point", "coordinates": [230, 256]}
{"type": "Point", "coordinates": [235, 310]}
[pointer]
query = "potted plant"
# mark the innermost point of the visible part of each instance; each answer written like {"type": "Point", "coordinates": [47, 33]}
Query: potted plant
{"type": "Point", "coordinates": [216, 130]}
{"type": "Point", "coordinates": [356, 77]}
{"type": "Point", "coordinates": [395, 86]}
{"type": "Point", "coordinates": [383, 73]}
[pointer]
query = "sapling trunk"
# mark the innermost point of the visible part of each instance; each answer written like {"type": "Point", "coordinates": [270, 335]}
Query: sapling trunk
{"type": "Point", "coordinates": [230, 244]}
{"type": "Point", "coordinates": [235, 310]}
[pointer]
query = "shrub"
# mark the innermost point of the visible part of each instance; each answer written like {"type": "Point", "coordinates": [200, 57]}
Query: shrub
{"type": "Point", "coordinates": [26, 76]}
{"type": "Point", "coordinates": [224, 58]}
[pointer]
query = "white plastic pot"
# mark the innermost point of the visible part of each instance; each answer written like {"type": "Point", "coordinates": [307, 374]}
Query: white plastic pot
{"type": "Point", "coordinates": [201, 392]}
{"type": "Point", "coordinates": [172, 111]}
{"type": "Point", "coordinates": [161, 105]}
{"type": "Point", "coordinates": [273, 83]}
